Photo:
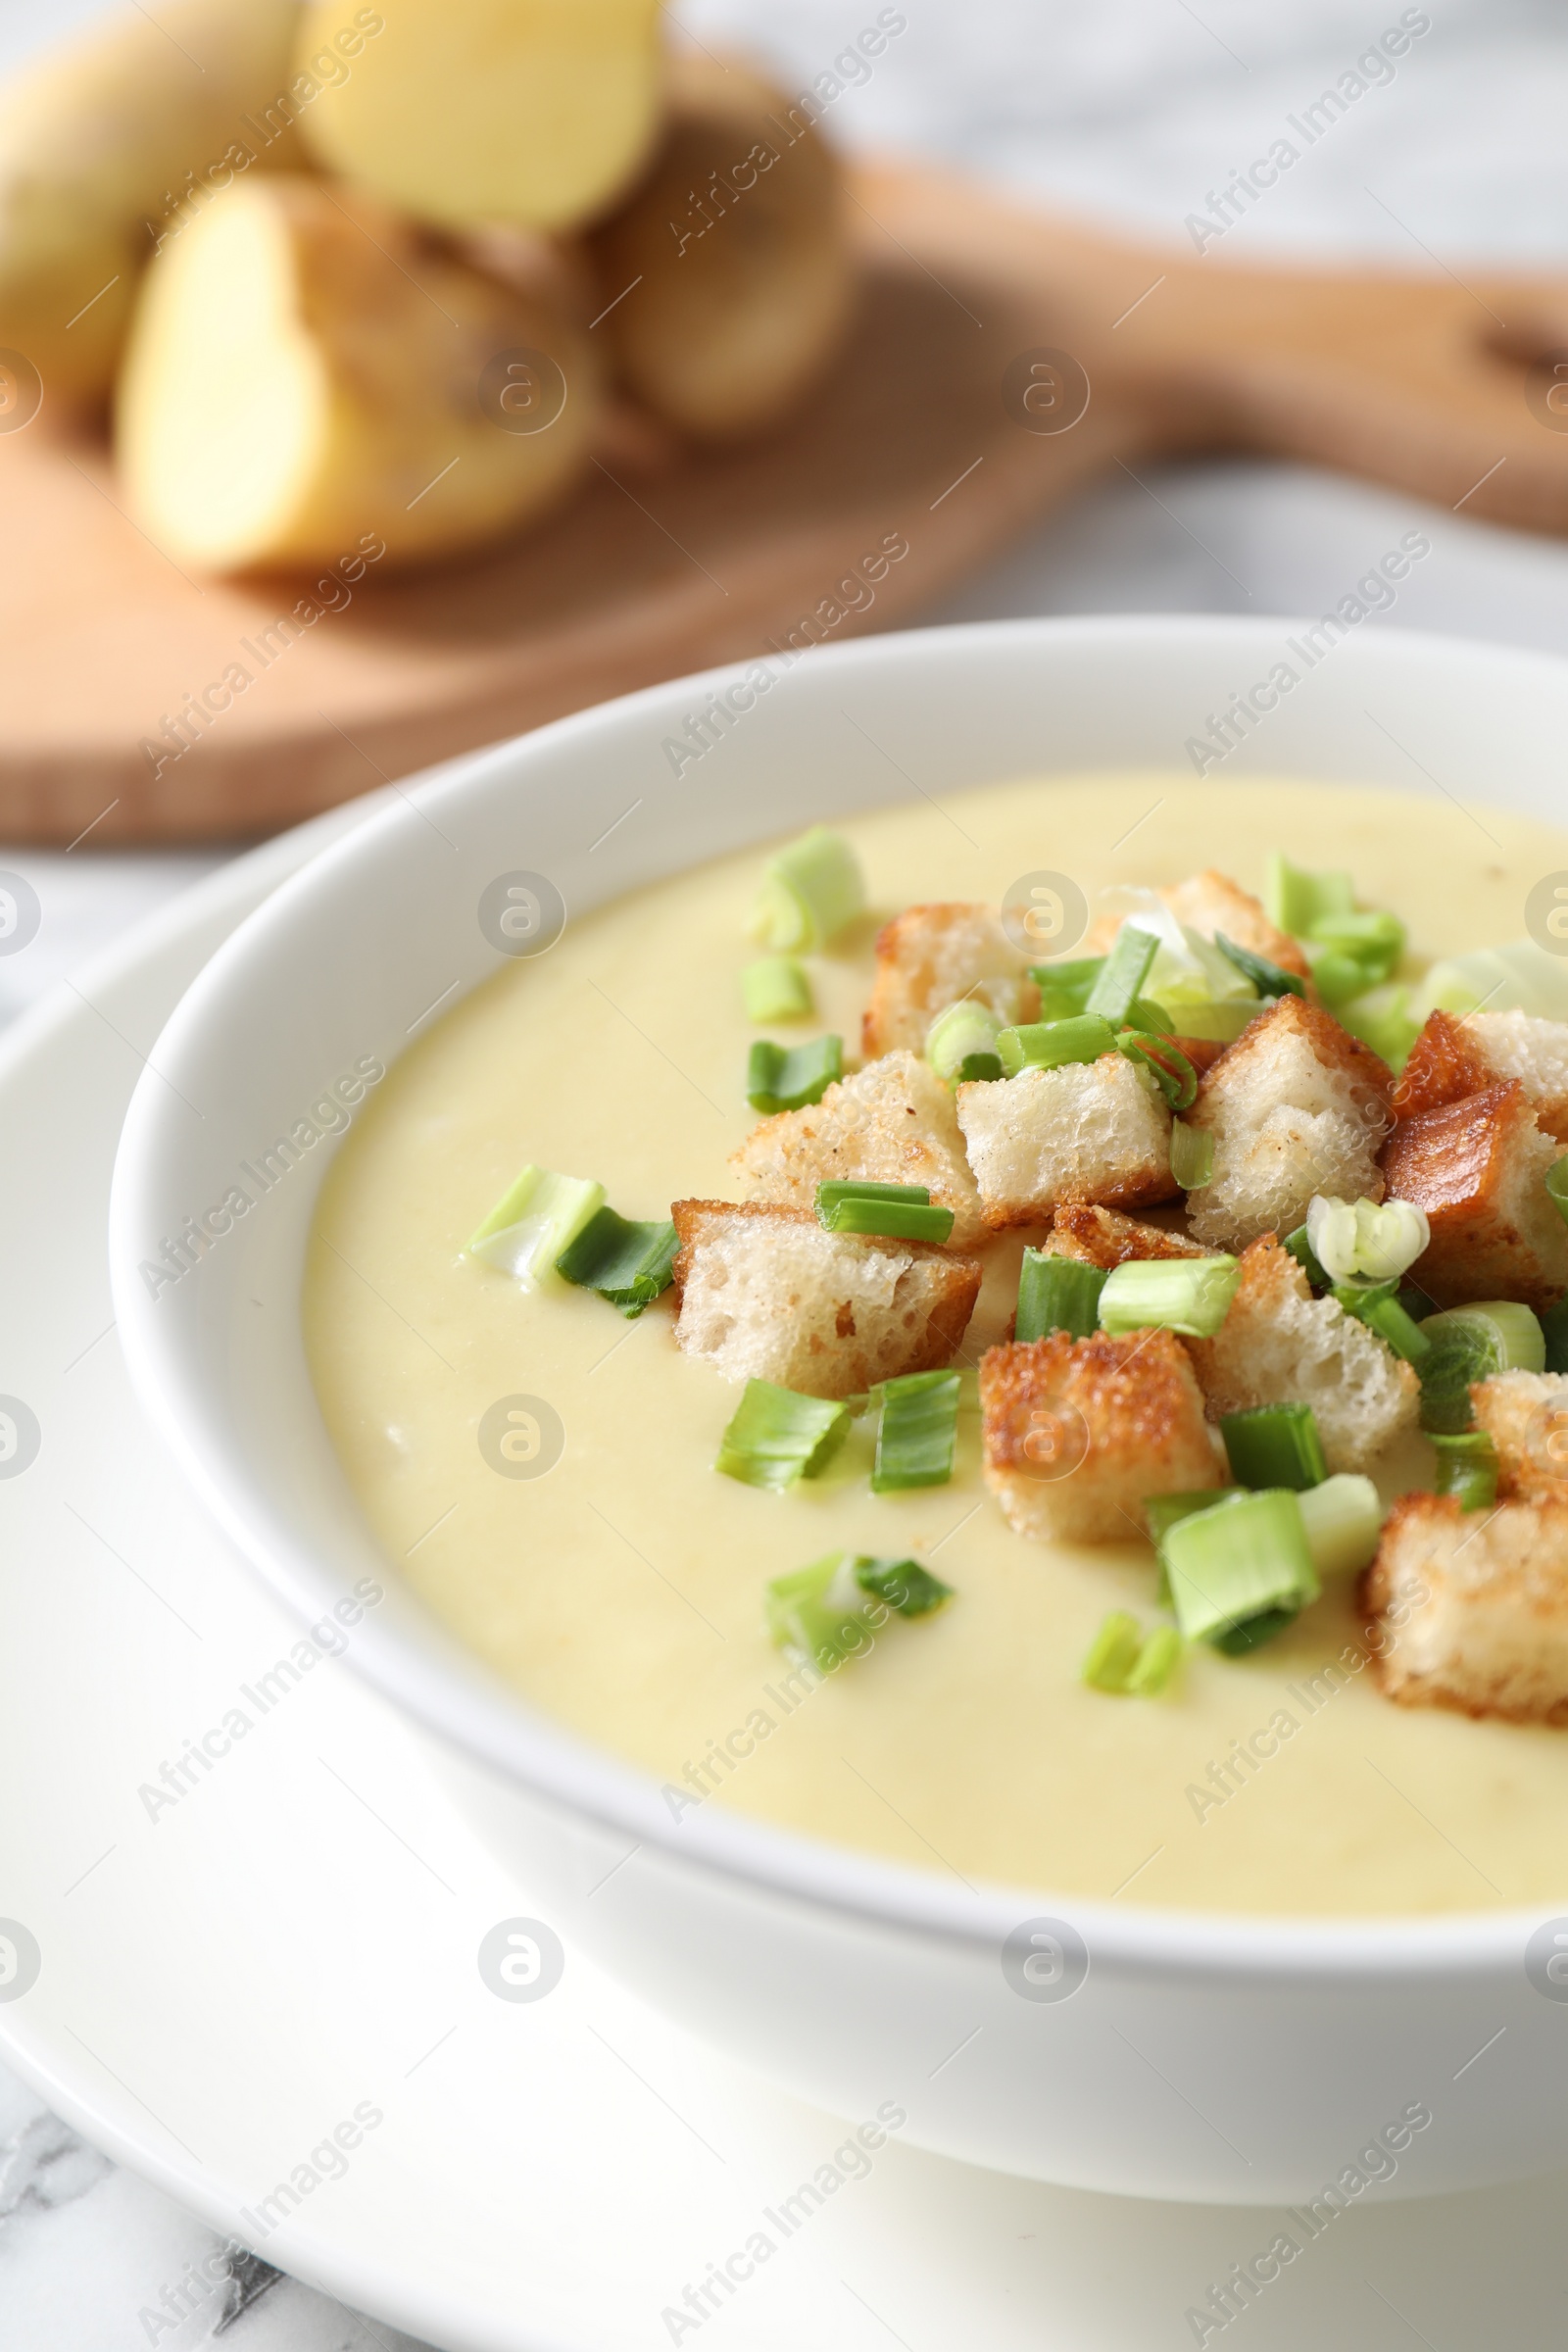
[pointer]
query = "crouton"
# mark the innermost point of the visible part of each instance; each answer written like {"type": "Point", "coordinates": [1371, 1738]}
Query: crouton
{"type": "Point", "coordinates": [1207, 903]}
{"type": "Point", "coordinates": [1525, 1414]}
{"type": "Point", "coordinates": [1297, 1105]}
{"type": "Point", "coordinates": [766, 1292]}
{"type": "Point", "coordinates": [1479, 1169]}
{"type": "Point", "coordinates": [1452, 1058]}
{"type": "Point", "coordinates": [930, 956]}
{"type": "Point", "coordinates": [1089, 1131]}
{"type": "Point", "coordinates": [1470, 1611]}
{"type": "Point", "coordinates": [1078, 1432]}
{"type": "Point", "coordinates": [893, 1122]}
{"type": "Point", "coordinates": [1104, 1237]}
{"type": "Point", "coordinates": [1279, 1346]}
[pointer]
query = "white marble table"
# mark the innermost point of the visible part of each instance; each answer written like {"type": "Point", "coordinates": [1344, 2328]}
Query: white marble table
{"type": "Point", "coordinates": [1132, 109]}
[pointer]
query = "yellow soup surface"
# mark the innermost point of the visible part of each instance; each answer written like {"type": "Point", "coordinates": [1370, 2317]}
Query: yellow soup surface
{"type": "Point", "coordinates": [621, 1592]}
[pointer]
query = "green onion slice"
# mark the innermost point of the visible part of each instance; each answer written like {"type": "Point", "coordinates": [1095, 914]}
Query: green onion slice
{"type": "Point", "coordinates": [1173, 1073]}
{"type": "Point", "coordinates": [919, 1432]}
{"type": "Point", "coordinates": [777, 1436]}
{"type": "Point", "coordinates": [1467, 1468]}
{"type": "Point", "coordinates": [1352, 1238]}
{"type": "Point", "coordinates": [904, 1585]}
{"type": "Point", "coordinates": [1371, 943]}
{"type": "Point", "coordinates": [1240, 1562]}
{"type": "Point", "coordinates": [1121, 977]}
{"type": "Point", "coordinates": [978, 1068]}
{"type": "Point", "coordinates": [1269, 979]}
{"type": "Point", "coordinates": [1064, 987]}
{"type": "Point", "coordinates": [1188, 1294]}
{"type": "Point", "coordinates": [1052, 1045]}
{"type": "Point", "coordinates": [789, 1077]}
{"type": "Point", "coordinates": [626, 1263]}
{"type": "Point", "coordinates": [1382, 1018]}
{"type": "Point", "coordinates": [1343, 1520]}
{"type": "Point", "coordinates": [1158, 1661]}
{"type": "Point", "coordinates": [902, 1212]}
{"type": "Point", "coordinates": [776, 988]}
{"type": "Point", "coordinates": [532, 1223]}
{"type": "Point", "coordinates": [1192, 1155]}
{"type": "Point", "coordinates": [1300, 1249]}
{"type": "Point", "coordinates": [1113, 1653]}
{"type": "Point", "coordinates": [1058, 1294]}
{"type": "Point", "coordinates": [958, 1035]}
{"type": "Point", "coordinates": [1161, 1511]}
{"type": "Point", "coordinates": [1217, 1023]}
{"type": "Point", "coordinates": [828, 1612]}
{"type": "Point", "coordinates": [1378, 1304]}
{"type": "Point", "coordinates": [1469, 1344]}
{"type": "Point", "coordinates": [1555, 1335]}
{"type": "Point", "coordinates": [1297, 900]}
{"type": "Point", "coordinates": [1253, 1632]}
{"type": "Point", "coordinates": [811, 891]}
{"type": "Point", "coordinates": [1274, 1446]}
{"type": "Point", "coordinates": [1558, 1186]}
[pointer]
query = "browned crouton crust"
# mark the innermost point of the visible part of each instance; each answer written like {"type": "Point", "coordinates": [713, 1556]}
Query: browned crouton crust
{"type": "Point", "coordinates": [765, 1291]}
{"type": "Point", "coordinates": [1078, 1432]}
{"type": "Point", "coordinates": [1471, 1612]}
{"type": "Point", "coordinates": [1478, 1168]}
{"type": "Point", "coordinates": [1446, 1066]}
{"type": "Point", "coordinates": [927, 959]}
{"type": "Point", "coordinates": [1104, 1237]}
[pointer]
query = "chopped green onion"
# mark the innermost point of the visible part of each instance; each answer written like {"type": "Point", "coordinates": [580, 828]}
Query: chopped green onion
{"type": "Point", "coordinates": [1051, 1045]}
{"type": "Point", "coordinates": [1520, 977]}
{"type": "Point", "coordinates": [530, 1225]}
{"type": "Point", "coordinates": [958, 1035]}
{"type": "Point", "coordinates": [1274, 1446]}
{"type": "Point", "coordinates": [1188, 970]}
{"type": "Point", "coordinates": [1158, 1661]}
{"type": "Point", "coordinates": [1469, 1344]}
{"type": "Point", "coordinates": [1372, 943]}
{"type": "Point", "coordinates": [1144, 1014]}
{"type": "Point", "coordinates": [1253, 1632]}
{"type": "Point", "coordinates": [1554, 1334]}
{"type": "Point", "coordinates": [977, 1070]}
{"type": "Point", "coordinates": [628, 1264]}
{"type": "Point", "coordinates": [1241, 1560]}
{"type": "Point", "coordinates": [1558, 1186]}
{"type": "Point", "coordinates": [1350, 1237]}
{"type": "Point", "coordinates": [1338, 978]}
{"type": "Point", "coordinates": [789, 1077]}
{"type": "Point", "coordinates": [776, 1436]}
{"type": "Point", "coordinates": [1297, 900]}
{"type": "Point", "coordinates": [1378, 1305]}
{"type": "Point", "coordinates": [919, 1432]}
{"type": "Point", "coordinates": [1467, 1468]}
{"type": "Point", "coordinates": [1170, 1069]}
{"type": "Point", "coordinates": [1064, 987]}
{"type": "Point", "coordinates": [776, 989]}
{"type": "Point", "coordinates": [812, 890]}
{"type": "Point", "coordinates": [904, 1211]}
{"type": "Point", "coordinates": [820, 1615]}
{"type": "Point", "coordinates": [1122, 975]}
{"type": "Point", "coordinates": [1058, 1294]}
{"type": "Point", "coordinates": [1269, 979]}
{"type": "Point", "coordinates": [1382, 1019]}
{"type": "Point", "coordinates": [1300, 1249]}
{"type": "Point", "coordinates": [1113, 1653]}
{"type": "Point", "coordinates": [1217, 1022]}
{"type": "Point", "coordinates": [1415, 1302]}
{"type": "Point", "coordinates": [1343, 1520]}
{"type": "Point", "coordinates": [904, 1585]}
{"type": "Point", "coordinates": [1192, 1155]}
{"type": "Point", "coordinates": [1189, 1294]}
{"type": "Point", "coordinates": [1162, 1512]}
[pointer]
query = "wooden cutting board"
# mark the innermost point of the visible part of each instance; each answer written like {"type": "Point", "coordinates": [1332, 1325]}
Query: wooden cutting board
{"type": "Point", "coordinates": [944, 428]}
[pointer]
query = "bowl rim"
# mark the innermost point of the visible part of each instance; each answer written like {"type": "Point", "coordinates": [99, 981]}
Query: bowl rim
{"type": "Point", "coordinates": [491, 1726]}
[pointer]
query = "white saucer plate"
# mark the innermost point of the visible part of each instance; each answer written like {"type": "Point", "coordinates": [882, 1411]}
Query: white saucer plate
{"type": "Point", "coordinates": [268, 1998]}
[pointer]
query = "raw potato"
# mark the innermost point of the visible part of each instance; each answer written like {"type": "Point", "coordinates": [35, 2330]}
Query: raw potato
{"type": "Point", "coordinates": [738, 240]}
{"type": "Point", "coordinates": [100, 142]}
{"type": "Point", "coordinates": [533, 112]}
{"type": "Point", "coordinates": [303, 371]}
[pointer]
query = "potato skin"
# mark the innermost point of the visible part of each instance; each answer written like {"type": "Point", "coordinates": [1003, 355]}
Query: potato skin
{"type": "Point", "coordinates": [111, 143]}
{"type": "Point", "coordinates": [738, 239]}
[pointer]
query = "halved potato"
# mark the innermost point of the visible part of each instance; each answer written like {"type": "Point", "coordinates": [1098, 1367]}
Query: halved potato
{"type": "Point", "coordinates": [729, 269]}
{"type": "Point", "coordinates": [537, 112]}
{"type": "Point", "coordinates": [303, 372]}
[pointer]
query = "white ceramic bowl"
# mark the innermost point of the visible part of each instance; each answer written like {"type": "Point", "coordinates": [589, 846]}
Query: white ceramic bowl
{"type": "Point", "coordinates": [1203, 2057]}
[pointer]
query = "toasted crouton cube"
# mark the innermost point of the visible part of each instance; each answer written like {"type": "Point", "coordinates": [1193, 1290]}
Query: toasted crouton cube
{"type": "Point", "coordinates": [893, 1122]}
{"type": "Point", "coordinates": [1295, 1107]}
{"type": "Point", "coordinates": [1089, 1131]}
{"type": "Point", "coordinates": [1525, 1414]}
{"type": "Point", "coordinates": [1454, 1058]}
{"type": "Point", "coordinates": [1279, 1346]}
{"type": "Point", "coordinates": [1078, 1432]}
{"type": "Point", "coordinates": [1470, 1611]}
{"type": "Point", "coordinates": [1104, 1237]}
{"type": "Point", "coordinates": [766, 1292]}
{"type": "Point", "coordinates": [1479, 1169]}
{"type": "Point", "coordinates": [927, 959]}
{"type": "Point", "coordinates": [1209, 902]}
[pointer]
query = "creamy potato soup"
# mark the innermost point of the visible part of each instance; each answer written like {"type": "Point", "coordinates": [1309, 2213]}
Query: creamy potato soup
{"type": "Point", "coordinates": [623, 1589]}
